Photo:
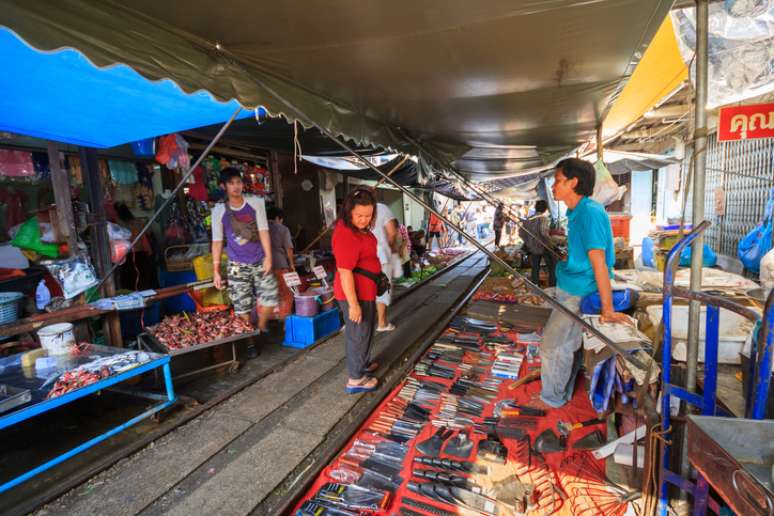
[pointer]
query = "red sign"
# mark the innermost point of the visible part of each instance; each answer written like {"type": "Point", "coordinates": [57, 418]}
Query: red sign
{"type": "Point", "coordinates": [746, 122]}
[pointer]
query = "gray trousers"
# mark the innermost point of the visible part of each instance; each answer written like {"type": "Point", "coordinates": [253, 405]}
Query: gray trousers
{"type": "Point", "coordinates": [359, 337]}
{"type": "Point", "coordinates": [560, 352]}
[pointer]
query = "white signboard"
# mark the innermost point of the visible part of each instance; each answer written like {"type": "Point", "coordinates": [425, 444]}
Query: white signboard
{"type": "Point", "coordinates": [291, 279]}
{"type": "Point", "coordinates": [319, 272]}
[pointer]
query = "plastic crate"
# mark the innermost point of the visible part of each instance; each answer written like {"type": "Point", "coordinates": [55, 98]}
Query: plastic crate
{"type": "Point", "coordinates": [302, 332]}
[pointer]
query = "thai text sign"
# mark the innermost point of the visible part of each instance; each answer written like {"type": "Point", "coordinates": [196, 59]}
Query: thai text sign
{"type": "Point", "coordinates": [745, 122]}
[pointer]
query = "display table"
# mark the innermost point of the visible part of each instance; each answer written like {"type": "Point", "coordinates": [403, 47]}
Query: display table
{"type": "Point", "coordinates": [30, 393]}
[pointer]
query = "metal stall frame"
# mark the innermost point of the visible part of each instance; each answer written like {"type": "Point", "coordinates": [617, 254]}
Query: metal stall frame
{"type": "Point", "coordinates": [706, 403]}
{"type": "Point", "coordinates": [164, 401]}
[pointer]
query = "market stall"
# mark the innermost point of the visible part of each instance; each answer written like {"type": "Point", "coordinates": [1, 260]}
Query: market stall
{"type": "Point", "coordinates": [40, 381]}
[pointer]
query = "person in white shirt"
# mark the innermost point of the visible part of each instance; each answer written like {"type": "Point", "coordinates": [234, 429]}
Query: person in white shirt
{"type": "Point", "coordinates": [386, 232]}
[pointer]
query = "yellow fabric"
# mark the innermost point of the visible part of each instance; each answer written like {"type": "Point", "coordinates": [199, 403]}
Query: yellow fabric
{"type": "Point", "coordinates": [660, 71]}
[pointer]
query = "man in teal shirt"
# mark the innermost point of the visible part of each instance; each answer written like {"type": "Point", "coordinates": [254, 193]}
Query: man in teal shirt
{"type": "Point", "coordinates": [588, 269]}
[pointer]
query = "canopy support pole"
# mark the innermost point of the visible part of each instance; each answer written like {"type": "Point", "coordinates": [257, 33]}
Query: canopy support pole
{"type": "Point", "coordinates": [697, 213]}
{"type": "Point", "coordinates": [99, 238]}
{"type": "Point", "coordinates": [699, 164]}
{"type": "Point", "coordinates": [179, 186]}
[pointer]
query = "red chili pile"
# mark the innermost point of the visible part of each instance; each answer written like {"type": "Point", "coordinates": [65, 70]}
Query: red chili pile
{"type": "Point", "coordinates": [186, 330]}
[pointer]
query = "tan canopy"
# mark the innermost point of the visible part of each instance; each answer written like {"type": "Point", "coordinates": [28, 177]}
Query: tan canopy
{"type": "Point", "coordinates": [507, 82]}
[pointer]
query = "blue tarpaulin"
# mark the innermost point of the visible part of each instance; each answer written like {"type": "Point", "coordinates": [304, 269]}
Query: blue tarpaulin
{"type": "Point", "coordinates": [61, 96]}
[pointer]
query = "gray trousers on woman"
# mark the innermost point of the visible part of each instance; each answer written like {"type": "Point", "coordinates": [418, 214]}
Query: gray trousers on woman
{"type": "Point", "coordinates": [359, 337]}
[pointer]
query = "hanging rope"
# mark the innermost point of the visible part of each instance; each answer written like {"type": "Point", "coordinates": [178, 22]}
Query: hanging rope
{"type": "Point", "coordinates": [296, 148]}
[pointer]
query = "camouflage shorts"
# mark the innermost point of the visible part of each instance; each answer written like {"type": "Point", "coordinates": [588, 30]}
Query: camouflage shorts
{"type": "Point", "coordinates": [247, 283]}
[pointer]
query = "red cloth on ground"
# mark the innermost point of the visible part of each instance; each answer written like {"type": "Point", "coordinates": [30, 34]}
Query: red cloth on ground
{"type": "Point", "coordinates": [560, 467]}
{"type": "Point", "coordinates": [355, 249]}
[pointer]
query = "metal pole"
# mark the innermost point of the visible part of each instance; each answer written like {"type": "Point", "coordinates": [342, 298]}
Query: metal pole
{"type": "Point", "coordinates": [179, 186]}
{"type": "Point", "coordinates": [699, 164]}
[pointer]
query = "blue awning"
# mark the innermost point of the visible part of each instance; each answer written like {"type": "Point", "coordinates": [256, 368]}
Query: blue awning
{"type": "Point", "coordinates": [61, 96]}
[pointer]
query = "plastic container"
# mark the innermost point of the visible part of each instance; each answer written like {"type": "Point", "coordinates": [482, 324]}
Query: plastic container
{"type": "Point", "coordinates": [327, 300]}
{"type": "Point", "coordinates": [203, 267]}
{"type": "Point", "coordinates": [57, 339]}
{"type": "Point", "coordinates": [42, 296]}
{"type": "Point", "coordinates": [302, 332]}
{"type": "Point", "coordinates": [9, 306]}
{"type": "Point", "coordinates": [620, 226]}
{"type": "Point", "coordinates": [200, 301]}
{"type": "Point", "coordinates": [307, 303]}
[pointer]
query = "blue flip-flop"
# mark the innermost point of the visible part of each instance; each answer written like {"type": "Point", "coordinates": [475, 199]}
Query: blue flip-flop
{"type": "Point", "coordinates": [361, 388]}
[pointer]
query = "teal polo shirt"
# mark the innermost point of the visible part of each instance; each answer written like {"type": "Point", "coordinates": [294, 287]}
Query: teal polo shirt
{"type": "Point", "coordinates": [588, 228]}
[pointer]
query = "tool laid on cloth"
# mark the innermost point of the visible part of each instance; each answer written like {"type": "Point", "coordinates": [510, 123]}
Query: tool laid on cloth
{"type": "Point", "coordinates": [459, 446]}
{"type": "Point", "coordinates": [310, 508]}
{"type": "Point", "coordinates": [446, 478]}
{"type": "Point", "coordinates": [426, 507]}
{"type": "Point", "coordinates": [531, 377]}
{"type": "Point", "coordinates": [432, 447]}
{"type": "Point", "coordinates": [549, 442]}
{"type": "Point", "coordinates": [351, 497]}
{"type": "Point", "coordinates": [566, 428]}
{"type": "Point", "coordinates": [493, 450]}
{"type": "Point", "coordinates": [519, 497]}
{"type": "Point", "coordinates": [457, 496]}
{"type": "Point", "coordinates": [505, 408]}
{"type": "Point", "coordinates": [590, 442]}
{"type": "Point", "coordinates": [451, 465]}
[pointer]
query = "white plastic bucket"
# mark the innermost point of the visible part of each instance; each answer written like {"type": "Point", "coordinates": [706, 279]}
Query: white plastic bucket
{"type": "Point", "coordinates": [57, 339]}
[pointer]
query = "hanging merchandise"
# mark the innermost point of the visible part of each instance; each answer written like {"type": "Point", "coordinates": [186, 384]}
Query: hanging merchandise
{"type": "Point", "coordinates": [606, 190]}
{"type": "Point", "coordinates": [173, 152]}
{"type": "Point", "coordinates": [198, 190]}
{"type": "Point", "coordinates": [144, 148]}
{"type": "Point", "coordinates": [15, 163]}
{"type": "Point", "coordinates": [75, 275]}
{"type": "Point", "coordinates": [145, 186]}
{"type": "Point", "coordinates": [758, 241]}
{"type": "Point", "coordinates": [167, 148]}
{"type": "Point", "coordinates": [28, 238]}
{"type": "Point", "coordinates": [123, 172]}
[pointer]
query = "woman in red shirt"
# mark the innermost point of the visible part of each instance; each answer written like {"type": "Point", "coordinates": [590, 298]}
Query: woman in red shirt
{"type": "Point", "coordinates": [354, 246]}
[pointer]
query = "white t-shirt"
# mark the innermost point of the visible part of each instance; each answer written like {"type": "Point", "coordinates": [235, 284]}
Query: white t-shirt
{"type": "Point", "coordinates": [383, 216]}
{"type": "Point", "coordinates": [219, 211]}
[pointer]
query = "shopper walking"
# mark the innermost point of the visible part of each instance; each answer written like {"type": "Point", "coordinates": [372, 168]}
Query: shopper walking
{"type": "Point", "coordinates": [355, 248]}
{"type": "Point", "coordinates": [241, 223]}
{"type": "Point", "coordinates": [385, 229]}
{"type": "Point", "coordinates": [283, 260]}
{"type": "Point", "coordinates": [536, 238]}
{"type": "Point", "coordinates": [498, 222]}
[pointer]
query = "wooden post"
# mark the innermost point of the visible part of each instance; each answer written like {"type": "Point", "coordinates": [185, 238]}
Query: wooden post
{"type": "Point", "coordinates": [64, 202]}
{"type": "Point", "coordinates": [276, 178]}
{"type": "Point", "coordinates": [99, 237]}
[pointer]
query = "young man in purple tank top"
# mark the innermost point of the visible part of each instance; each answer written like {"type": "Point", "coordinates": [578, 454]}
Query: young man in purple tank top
{"type": "Point", "coordinates": [241, 222]}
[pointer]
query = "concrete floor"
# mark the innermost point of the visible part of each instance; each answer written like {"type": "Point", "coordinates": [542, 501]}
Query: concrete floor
{"type": "Point", "coordinates": [240, 456]}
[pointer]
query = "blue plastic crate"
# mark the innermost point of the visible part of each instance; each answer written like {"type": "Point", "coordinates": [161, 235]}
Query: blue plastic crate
{"type": "Point", "coordinates": [302, 332]}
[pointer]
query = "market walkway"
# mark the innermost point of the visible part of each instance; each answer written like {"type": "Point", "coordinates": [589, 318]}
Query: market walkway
{"type": "Point", "coordinates": [242, 456]}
